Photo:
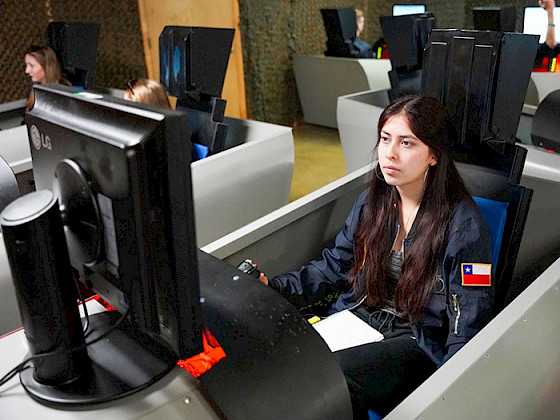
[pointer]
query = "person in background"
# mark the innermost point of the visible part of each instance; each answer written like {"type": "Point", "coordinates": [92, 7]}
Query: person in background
{"type": "Point", "coordinates": [42, 66]}
{"type": "Point", "coordinates": [549, 50]}
{"type": "Point", "coordinates": [146, 91]}
{"type": "Point", "coordinates": [549, 6]}
{"type": "Point", "coordinates": [360, 22]}
{"type": "Point", "coordinates": [365, 50]}
{"type": "Point", "coordinates": [404, 262]}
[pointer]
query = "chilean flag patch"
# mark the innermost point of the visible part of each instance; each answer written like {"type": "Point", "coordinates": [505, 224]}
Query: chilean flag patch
{"type": "Point", "coordinates": [475, 274]}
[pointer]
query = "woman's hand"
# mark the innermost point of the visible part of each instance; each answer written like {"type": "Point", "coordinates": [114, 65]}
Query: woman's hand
{"type": "Point", "coordinates": [263, 279]}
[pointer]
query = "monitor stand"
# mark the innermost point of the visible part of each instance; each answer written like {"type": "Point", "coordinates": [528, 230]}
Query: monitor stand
{"type": "Point", "coordinates": [122, 363]}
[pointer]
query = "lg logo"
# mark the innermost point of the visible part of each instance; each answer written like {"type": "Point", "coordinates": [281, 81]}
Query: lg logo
{"type": "Point", "coordinates": [39, 139]}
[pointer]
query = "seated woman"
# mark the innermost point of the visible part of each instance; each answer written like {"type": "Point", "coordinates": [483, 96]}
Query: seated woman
{"type": "Point", "coordinates": [150, 92]}
{"type": "Point", "coordinates": [147, 91]}
{"type": "Point", "coordinates": [363, 47]}
{"type": "Point", "coordinates": [42, 66]}
{"type": "Point", "coordinates": [403, 261]}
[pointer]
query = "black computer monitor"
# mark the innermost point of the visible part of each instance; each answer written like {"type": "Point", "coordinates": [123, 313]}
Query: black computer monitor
{"type": "Point", "coordinates": [535, 22]}
{"type": "Point", "coordinates": [494, 18]}
{"type": "Point", "coordinates": [121, 171]}
{"type": "Point", "coordinates": [193, 60]}
{"type": "Point", "coordinates": [408, 9]}
{"type": "Point", "coordinates": [406, 37]}
{"type": "Point", "coordinates": [75, 45]}
{"type": "Point", "coordinates": [340, 26]}
{"type": "Point", "coordinates": [193, 63]}
{"type": "Point", "coordinates": [482, 78]}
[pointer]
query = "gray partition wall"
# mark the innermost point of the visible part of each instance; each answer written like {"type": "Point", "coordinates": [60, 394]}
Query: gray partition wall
{"type": "Point", "coordinates": [509, 370]}
{"type": "Point", "coordinates": [296, 233]}
{"type": "Point", "coordinates": [321, 80]}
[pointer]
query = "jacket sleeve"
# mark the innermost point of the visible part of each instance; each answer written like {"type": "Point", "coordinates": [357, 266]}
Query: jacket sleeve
{"type": "Point", "coordinates": [469, 307]}
{"type": "Point", "coordinates": [319, 282]}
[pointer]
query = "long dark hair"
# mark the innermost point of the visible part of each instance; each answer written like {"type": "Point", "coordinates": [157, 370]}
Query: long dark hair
{"type": "Point", "coordinates": [443, 187]}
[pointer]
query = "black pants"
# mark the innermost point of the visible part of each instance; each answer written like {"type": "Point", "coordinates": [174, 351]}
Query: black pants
{"type": "Point", "coordinates": [380, 375]}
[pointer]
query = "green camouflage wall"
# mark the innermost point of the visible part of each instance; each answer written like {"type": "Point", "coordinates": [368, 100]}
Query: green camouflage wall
{"type": "Point", "coordinates": [273, 31]}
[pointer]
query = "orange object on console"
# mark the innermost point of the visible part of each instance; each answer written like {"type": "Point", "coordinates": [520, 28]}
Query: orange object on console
{"type": "Point", "coordinates": [204, 361]}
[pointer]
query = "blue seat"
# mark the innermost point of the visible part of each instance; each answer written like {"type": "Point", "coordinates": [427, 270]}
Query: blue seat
{"type": "Point", "coordinates": [199, 151]}
{"type": "Point", "coordinates": [373, 415]}
{"type": "Point", "coordinates": [495, 214]}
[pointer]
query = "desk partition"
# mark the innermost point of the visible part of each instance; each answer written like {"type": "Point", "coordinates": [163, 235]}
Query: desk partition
{"type": "Point", "coordinates": [509, 370]}
{"type": "Point", "coordinates": [321, 80]}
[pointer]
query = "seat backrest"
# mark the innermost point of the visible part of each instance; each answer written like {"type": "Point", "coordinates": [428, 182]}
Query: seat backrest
{"type": "Point", "coordinates": [494, 186]}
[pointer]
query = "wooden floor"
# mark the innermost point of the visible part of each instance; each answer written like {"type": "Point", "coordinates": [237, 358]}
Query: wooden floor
{"type": "Point", "coordinates": [318, 159]}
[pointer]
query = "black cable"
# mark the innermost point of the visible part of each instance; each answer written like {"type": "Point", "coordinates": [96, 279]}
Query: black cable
{"type": "Point", "coordinates": [20, 367]}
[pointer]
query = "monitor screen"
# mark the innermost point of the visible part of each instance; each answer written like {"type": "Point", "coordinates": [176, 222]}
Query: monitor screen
{"type": "Point", "coordinates": [535, 22]}
{"type": "Point", "coordinates": [408, 9]}
{"type": "Point", "coordinates": [121, 172]}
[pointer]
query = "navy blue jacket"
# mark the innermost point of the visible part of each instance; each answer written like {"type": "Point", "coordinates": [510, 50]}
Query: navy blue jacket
{"type": "Point", "coordinates": [454, 313]}
{"type": "Point", "coordinates": [366, 51]}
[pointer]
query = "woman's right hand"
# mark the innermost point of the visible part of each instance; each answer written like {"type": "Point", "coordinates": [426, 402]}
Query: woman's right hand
{"type": "Point", "coordinates": [263, 279]}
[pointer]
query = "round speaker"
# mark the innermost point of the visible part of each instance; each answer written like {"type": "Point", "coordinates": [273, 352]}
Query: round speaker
{"type": "Point", "coordinates": [45, 288]}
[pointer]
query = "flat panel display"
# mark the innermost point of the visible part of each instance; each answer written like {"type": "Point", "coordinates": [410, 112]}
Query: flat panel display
{"type": "Point", "coordinates": [408, 9]}
{"type": "Point", "coordinates": [535, 22]}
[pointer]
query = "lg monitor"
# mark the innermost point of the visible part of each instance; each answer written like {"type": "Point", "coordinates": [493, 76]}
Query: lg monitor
{"type": "Point", "coordinates": [121, 172]}
{"type": "Point", "coordinates": [408, 9]}
{"type": "Point", "coordinates": [535, 22]}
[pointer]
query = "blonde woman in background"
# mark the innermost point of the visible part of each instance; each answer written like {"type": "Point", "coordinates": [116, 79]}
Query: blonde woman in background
{"type": "Point", "coordinates": [147, 91]}
{"type": "Point", "coordinates": [365, 50]}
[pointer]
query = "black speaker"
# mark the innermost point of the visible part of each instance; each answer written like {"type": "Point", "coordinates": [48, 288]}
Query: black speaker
{"type": "Point", "coordinates": [46, 293]}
